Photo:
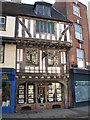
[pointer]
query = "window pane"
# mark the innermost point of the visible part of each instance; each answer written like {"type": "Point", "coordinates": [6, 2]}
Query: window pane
{"type": "Point", "coordinates": [78, 31]}
{"type": "Point", "coordinates": [31, 95]}
{"type": "Point", "coordinates": [46, 11]}
{"type": "Point", "coordinates": [6, 91]}
{"type": "Point", "coordinates": [52, 28]}
{"type": "Point", "coordinates": [50, 58]}
{"type": "Point", "coordinates": [48, 27]}
{"type": "Point", "coordinates": [37, 26]}
{"type": "Point", "coordinates": [34, 57]}
{"type": "Point", "coordinates": [80, 58]}
{"type": "Point", "coordinates": [41, 26]}
{"type": "Point", "coordinates": [2, 20]}
{"type": "Point", "coordinates": [1, 53]}
{"type": "Point", "coordinates": [45, 27]}
{"type": "Point", "coordinates": [21, 94]}
{"type": "Point", "coordinates": [76, 10]}
{"type": "Point", "coordinates": [2, 23]}
{"type": "Point", "coordinates": [40, 10]}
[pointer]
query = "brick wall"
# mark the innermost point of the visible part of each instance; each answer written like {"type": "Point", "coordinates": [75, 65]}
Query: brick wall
{"type": "Point", "coordinates": [82, 21]}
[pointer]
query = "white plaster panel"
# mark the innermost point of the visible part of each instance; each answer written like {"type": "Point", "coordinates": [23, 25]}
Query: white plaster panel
{"type": "Point", "coordinates": [9, 56]}
{"type": "Point", "coordinates": [10, 27]}
{"type": "Point", "coordinates": [20, 29]}
{"type": "Point", "coordinates": [26, 24]}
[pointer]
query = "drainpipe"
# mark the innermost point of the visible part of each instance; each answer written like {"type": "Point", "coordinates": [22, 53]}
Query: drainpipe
{"type": "Point", "coordinates": [66, 8]}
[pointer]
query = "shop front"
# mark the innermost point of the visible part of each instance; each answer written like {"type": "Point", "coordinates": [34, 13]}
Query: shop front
{"type": "Point", "coordinates": [7, 77]}
{"type": "Point", "coordinates": [40, 95]}
{"type": "Point", "coordinates": [80, 87]}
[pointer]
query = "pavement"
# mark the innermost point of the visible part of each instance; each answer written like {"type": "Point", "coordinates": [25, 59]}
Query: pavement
{"type": "Point", "coordinates": [79, 112]}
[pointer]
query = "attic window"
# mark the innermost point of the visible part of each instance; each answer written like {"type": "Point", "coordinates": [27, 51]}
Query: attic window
{"type": "Point", "coordinates": [43, 10]}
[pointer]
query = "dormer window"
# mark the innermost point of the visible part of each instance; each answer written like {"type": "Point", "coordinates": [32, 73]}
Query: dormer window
{"type": "Point", "coordinates": [43, 10]}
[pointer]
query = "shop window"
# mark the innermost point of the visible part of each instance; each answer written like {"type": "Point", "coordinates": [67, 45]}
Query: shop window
{"type": "Point", "coordinates": [54, 92]}
{"type": "Point", "coordinates": [26, 93]}
{"type": "Point", "coordinates": [1, 53]}
{"type": "Point", "coordinates": [31, 93]}
{"type": "Point", "coordinates": [21, 96]}
{"type": "Point", "coordinates": [76, 10]}
{"type": "Point", "coordinates": [32, 56]}
{"type": "Point", "coordinates": [6, 92]}
{"type": "Point", "coordinates": [2, 23]}
{"type": "Point", "coordinates": [78, 32]}
{"type": "Point", "coordinates": [80, 58]}
{"type": "Point", "coordinates": [44, 27]}
{"type": "Point", "coordinates": [50, 58]}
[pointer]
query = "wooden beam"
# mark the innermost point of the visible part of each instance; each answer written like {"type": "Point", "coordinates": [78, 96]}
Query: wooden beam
{"type": "Point", "coordinates": [24, 27]}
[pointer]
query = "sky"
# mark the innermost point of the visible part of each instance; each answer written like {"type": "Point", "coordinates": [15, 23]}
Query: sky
{"type": "Point", "coordinates": [51, 1]}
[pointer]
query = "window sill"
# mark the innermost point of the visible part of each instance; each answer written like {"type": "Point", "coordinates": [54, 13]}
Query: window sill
{"type": "Point", "coordinates": [77, 16]}
{"type": "Point", "coordinates": [80, 41]}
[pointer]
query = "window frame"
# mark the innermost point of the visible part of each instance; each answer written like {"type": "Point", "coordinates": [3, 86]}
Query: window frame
{"type": "Point", "coordinates": [75, 11]}
{"type": "Point", "coordinates": [48, 29]}
{"type": "Point", "coordinates": [52, 57]}
{"type": "Point", "coordinates": [78, 32]}
{"type": "Point", "coordinates": [30, 53]}
{"type": "Point", "coordinates": [41, 10]}
{"type": "Point", "coordinates": [2, 54]}
{"type": "Point", "coordinates": [4, 27]}
{"type": "Point", "coordinates": [79, 58]}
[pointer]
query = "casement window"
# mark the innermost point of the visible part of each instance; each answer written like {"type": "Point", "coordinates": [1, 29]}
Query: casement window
{"type": "Point", "coordinates": [80, 58]}
{"type": "Point", "coordinates": [43, 10]}
{"type": "Point", "coordinates": [76, 10]}
{"type": "Point", "coordinates": [50, 58]}
{"type": "Point", "coordinates": [32, 56]}
{"type": "Point", "coordinates": [78, 32]}
{"type": "Point", "coordinates": [44, 27]}
{"type": "Point", "coordinates": [2, 23]}
{"type": "Point", "coordinates": [54, 92]}
{"type": "Point", "coordinates": [1, 53]}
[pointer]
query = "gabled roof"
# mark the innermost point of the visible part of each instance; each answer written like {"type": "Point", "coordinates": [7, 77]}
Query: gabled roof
{"type": "Point", "coordinates": [20, 9]}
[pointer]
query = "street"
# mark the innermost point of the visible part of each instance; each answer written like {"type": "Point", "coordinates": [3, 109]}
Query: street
{"type": "Point", "coordinates": [80, 112]}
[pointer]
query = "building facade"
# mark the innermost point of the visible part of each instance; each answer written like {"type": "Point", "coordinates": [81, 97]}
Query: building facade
{"type": "Point", "coordinates": [7, 59]}
{"type": "Point", "coordinates": [42, 62]}
{"type": "Point", "coordinates": [79, 54]}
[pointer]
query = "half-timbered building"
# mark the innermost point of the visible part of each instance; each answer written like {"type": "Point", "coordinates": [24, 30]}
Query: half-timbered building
{"type": "Point", "coordinates": [43, 44]}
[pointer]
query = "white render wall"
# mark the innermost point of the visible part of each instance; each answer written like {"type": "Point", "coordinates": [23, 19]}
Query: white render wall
{"type": "Point", "coordinates": [9, 56]}
{"type": "Point", "coordinates": [10, 27]}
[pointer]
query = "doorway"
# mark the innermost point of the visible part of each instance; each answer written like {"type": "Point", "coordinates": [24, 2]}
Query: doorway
{"type": "Point", "coordinates": [41, 94]}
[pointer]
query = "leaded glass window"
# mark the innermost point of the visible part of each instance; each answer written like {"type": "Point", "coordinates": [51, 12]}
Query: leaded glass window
{"type": "Point", "coordinates": [32, 56]}
{"type": "Point", "coordinates": [50, 58]}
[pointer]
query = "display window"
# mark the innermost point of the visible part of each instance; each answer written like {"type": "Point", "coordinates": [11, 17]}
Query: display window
{"type": "Point", "coordinates": [6, 92]}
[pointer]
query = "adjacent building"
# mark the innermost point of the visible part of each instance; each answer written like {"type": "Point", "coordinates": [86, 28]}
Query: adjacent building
{"type": "Point", "coordinates": [7, 59]}
{"type": "Point", "coordinates": [79, 53]}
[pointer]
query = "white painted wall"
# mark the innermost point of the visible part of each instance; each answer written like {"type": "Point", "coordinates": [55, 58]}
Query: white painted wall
{"type": "Point", "coordinates": [10, 27]}
{"type": "Point", "coordinates": [9, 56]}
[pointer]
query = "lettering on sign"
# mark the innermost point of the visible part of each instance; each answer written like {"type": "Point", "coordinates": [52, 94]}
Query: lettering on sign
{"type": "Point", "coordinates": [4, 77]}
